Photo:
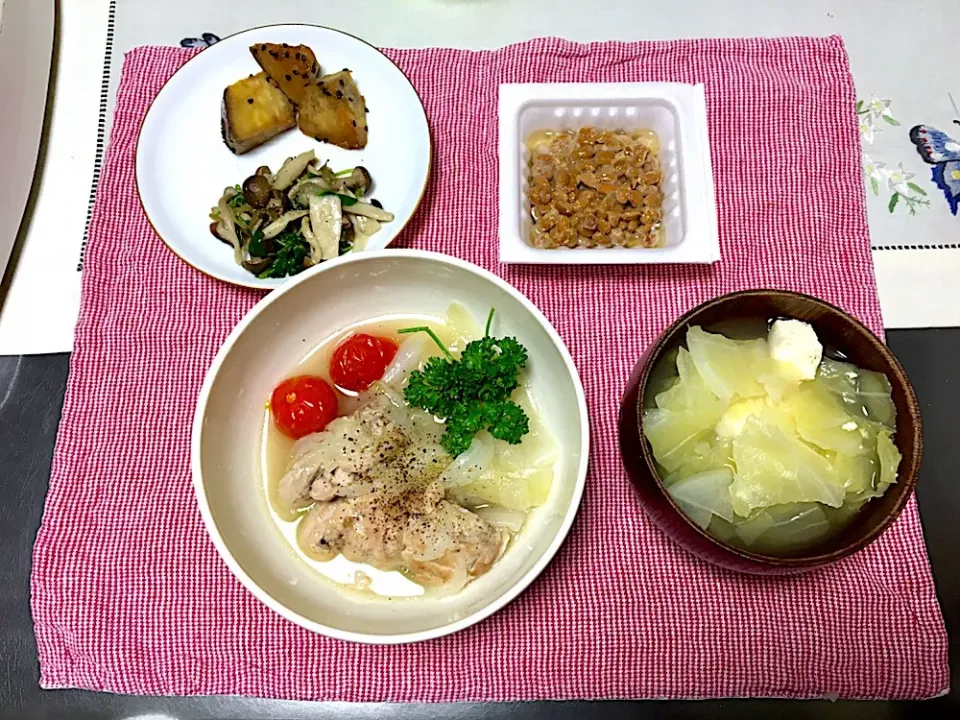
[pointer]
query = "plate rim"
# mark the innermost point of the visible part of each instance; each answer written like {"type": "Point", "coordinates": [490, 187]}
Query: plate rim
{"type": "Point", "coordinates": [257, 283]}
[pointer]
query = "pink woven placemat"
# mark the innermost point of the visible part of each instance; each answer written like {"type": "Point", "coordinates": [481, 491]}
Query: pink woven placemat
{"type": "Point", "coordinates": [130, 596]}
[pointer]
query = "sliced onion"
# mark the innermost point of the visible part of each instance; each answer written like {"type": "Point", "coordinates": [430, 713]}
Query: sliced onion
{"type": "Point", "coordinates": [501, 517]}
{"type": "Point", "coordinates": [408, 358]}
{"type": "Point", "coordinates": [470, 465]}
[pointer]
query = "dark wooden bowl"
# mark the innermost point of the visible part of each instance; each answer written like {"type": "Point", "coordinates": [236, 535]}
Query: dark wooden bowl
{"type": "Point", "coordinates": [835, 328]}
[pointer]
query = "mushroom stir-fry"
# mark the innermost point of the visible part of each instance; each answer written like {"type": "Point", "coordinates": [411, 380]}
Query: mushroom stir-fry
{"type": "Point", "coordinates": [280, 224]}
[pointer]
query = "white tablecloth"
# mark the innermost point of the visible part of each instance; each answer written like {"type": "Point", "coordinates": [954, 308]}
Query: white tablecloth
{"type": "Point", "coordinates": [902, 55]}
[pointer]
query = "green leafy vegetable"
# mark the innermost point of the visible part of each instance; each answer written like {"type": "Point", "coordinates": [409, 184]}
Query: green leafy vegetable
{"type": "Point", "coordinates": [472, 392]}
{"type": "Point", "coordinates": [238, 199]}
{"type": "Point", "coordinates": [256, 247]}
{"type": "Point", "coordinates": [289, 258]}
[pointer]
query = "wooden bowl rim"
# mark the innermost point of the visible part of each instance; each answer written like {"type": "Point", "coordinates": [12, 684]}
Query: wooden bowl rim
{"type": "Point", "coordinates": [911, 412]}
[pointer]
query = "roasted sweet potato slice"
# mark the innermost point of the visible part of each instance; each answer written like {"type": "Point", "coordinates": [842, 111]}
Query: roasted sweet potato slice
{"type": "Point", "coordinates": [254, 111]}
{"type": "Point", "coordinates": [334, 111]}
{"type": "Point", "coordinates": [291, 67]}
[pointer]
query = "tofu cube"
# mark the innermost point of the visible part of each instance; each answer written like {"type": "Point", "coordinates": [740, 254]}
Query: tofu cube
{"type": "Point", "coordinates": [796, 349]}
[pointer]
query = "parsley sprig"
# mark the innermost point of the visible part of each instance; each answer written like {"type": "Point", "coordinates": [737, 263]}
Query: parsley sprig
{"type": "Point", "coordinates": [472, 392]}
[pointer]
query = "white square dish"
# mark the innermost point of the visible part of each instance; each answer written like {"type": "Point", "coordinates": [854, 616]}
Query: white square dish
{"type": "Point", "coordinates": [676, 112]}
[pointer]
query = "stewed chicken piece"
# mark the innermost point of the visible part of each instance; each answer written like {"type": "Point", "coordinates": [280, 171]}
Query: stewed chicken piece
{"type": "Point", "coordinates": [436, 542]}
{"type": "Point", "coordinates": [372, 480]}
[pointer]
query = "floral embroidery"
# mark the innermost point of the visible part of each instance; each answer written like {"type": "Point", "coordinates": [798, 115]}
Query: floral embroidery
{"type": "Point", "coordinates": [204, 41]}
{"type": "Point", "coordinates": [872, 111]}
{"type": "Point", "coordinates": [896, 181]}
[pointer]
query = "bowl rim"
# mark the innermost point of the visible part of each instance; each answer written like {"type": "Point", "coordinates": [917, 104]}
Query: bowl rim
{"type": "Point", "coordinates": [800, 562]}
{"type": "Point", "coordinates": [496, 603]}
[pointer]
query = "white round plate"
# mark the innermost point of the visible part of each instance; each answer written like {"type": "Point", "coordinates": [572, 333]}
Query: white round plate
{"type": "Point", "coordinates": [183, 165]}
{"type": "Point", "coordinates": [263, 348]}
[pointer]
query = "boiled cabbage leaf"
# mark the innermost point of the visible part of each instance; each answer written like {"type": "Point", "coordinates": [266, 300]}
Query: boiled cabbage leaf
{"type": "Point", "coordinates": [705, 494]}
{"type": "Point", "coordinates": [728, 367]}
{"type": "Point", "coordinates": [823, 420]}
{"type": "Point", "coordinates": [876, 397]}
{"type": "Point", "coordinates": [890, 459]}
{"type": "Point", "coordinates": [774, 468]}
{"type": "Point", "coordinates": [840, 379]}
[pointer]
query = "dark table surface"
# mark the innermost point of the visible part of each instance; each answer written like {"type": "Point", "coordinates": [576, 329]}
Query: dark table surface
{"type": "Point", "coordinates": [32, 395]}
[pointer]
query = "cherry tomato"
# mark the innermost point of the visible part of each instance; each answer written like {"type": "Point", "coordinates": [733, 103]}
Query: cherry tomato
{"type": "Point", "coordinates": [359, 361]}
{"type": "Point", "coordinates": [302, 405]}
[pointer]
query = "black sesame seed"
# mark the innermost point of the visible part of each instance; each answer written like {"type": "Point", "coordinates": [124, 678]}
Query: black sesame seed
{"type": "Point", "coordinates": [274, 54]}
{"type": "Point", "coordinates": [296, 72]}
{"type": "Point", "coordinates": [339, 94]}
{"type": "Point", "coordinates": [341, 82]}
{"type": "Point", "coordinates": [346, 69]}
{"type": "Point", "coordinates": [350, 99]}
{"type": "Point", "coordinates": [288, 78]}
{"type": "Point", "coordinates": [314, 68]}
{"type": "Point", "coordinates": [250, 100]}
{"type": "Point", "coordinates": [376, 203]}
{"type": "Point", "coordinates": [285, 45]}
{"type": "Point", "coordinates": [286, 55]}
{"type": "Point", "coordinates": [364, 128]}
{"type": "Point", "coordinates": [263, 47]}
{"type": "Point", "coordinates": [297, 56]}
{"type": "Point", "coordinates": [354, 122]}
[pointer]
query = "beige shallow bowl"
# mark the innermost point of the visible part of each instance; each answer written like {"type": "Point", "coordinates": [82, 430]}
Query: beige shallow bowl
{"type": "Point", "coordinates": [266, 345]}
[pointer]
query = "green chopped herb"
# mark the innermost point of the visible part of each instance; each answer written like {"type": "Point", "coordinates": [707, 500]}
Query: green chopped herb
{"type": "Point", "coordinates": [344, 173]}
{"type": "Point", "coordinates": [472, 392]}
